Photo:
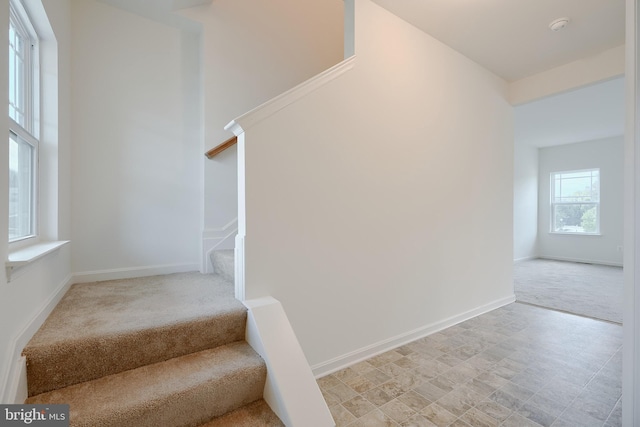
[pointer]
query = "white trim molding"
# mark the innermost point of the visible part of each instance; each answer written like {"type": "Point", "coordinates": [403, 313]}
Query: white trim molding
{"type": "Point", "coordinates": [27, 255]}
{"type": "Point", "coordinates": [132, 272]}
{"type": "Point", "coordinates": [525, 258]}
{"type": "Point", "coordinates": [15, 381]}
{"type": "Point", "coordinates": [291, 390]}
{"type": "Point", "coordinates": [631, 319]}
{"type": "Point", "coordinates": [341, 362]}
{"type": "Point", "coordinates": [258, 114]}
{"type": "Point", "coordinates": [581, 260]}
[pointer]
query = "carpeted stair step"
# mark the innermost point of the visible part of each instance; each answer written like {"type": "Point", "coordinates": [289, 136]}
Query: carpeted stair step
{"type": "Point", "coordinates": [104, 328]}
{"type": "Point", "coordinates": [185, 391]}
{"type": "Point", "coordinates": [256, 414]}
{"type": "Point", "coordinates": [223, 263]}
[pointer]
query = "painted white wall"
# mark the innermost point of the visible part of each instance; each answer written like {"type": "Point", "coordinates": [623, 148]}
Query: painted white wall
{"type": "Point", "coordinates": [381, 204]}
{"type": "Point", "coordinates": [525, 202]}
{"type": "Point", "coordinates": [27, 298]}
{"type": "Point", "coordinates": [583, 72]}
{"type": "Point", "coordinates": [137, 153]}
{"type": "Point", "coordinates": [606, 154]}
{"type": "Point", "coordinates": [254, 50]}
{"type": "Point", "coordinates": [592, 112]}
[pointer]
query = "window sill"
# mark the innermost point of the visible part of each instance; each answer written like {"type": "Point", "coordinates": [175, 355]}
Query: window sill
{"type": "Point", "coordinates": [575, 234]}
{"type": "Point", "coordinates": [26, 255]}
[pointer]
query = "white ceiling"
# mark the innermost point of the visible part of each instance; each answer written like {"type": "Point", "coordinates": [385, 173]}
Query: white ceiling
{"type": "Point", "coordinates": [511, 37]}
{"type": "Point", "coordinates": [161, 11]}
{"type": "Point", "coordinates": [593, 112]}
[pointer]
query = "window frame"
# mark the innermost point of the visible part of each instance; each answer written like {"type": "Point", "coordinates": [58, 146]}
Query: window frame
{"type": "Point", "coordinates": [553, 203]}
{"type": "Point", "coordinates": [29, 132]}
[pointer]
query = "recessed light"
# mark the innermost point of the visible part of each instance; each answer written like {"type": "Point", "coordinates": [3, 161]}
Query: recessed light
{"type": "Point", "coordinates": [559, 24]}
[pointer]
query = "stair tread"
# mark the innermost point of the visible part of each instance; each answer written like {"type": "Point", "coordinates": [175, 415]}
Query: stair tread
{"type": "Point", "coordinates": [223, 262]}
{"type": "Point", "coordinates": [256, 414]}
{"type": "Point", "coordinates": [201, 385]}
{"type": "Point", "coordinates": [119, 306]}
{"type": "Point", "coordinates": [103, 328]}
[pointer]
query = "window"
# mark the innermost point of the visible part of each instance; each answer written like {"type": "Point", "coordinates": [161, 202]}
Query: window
{"type": "Point", "coordinates": [23, 124]}
{"type": "Point", "coordinates": [575, 202]}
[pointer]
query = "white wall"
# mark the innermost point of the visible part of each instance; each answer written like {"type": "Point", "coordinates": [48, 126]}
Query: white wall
{"type": "Point", "coordinates": [137, 175]}
{"type": "Point", "coordinates": [137, 153]}
{"type": "Point", "coordinates": [606, 154]}
{"type": "Point", "coordinates": [380, 206]}
{"type": "Point", "coordinates": [525, 202]}
{"type": "Point", "coordinates": [600, 67]}
{"type": "Point", "coordinates": [26, 299]}
{"type": "Point", "coordinates": [253, 51]}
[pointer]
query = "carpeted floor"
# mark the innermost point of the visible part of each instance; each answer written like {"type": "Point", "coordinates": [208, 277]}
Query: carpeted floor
{"type": "Point", "coordinates": [585, 289]}
{"type": "Point", "coordinates": [103, 328]}
{"type": "Point", "coordinates": [150, 351]}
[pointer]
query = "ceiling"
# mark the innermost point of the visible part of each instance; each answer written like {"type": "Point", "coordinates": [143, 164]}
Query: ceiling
{"type": "Point", "coordinates": [590, 113]}
{"type": "Point", "coordinates": [161, 10]}
{"type": "Point", "coordinates": [167, 5]}
{"type": "Point", "coordinates": [512, 37]}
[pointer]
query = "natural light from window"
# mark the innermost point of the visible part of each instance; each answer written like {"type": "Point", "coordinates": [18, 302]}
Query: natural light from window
{"type": "Point", "coordinates": [23, 138]}
{"type": "Point", "coordinates": [575, 202]}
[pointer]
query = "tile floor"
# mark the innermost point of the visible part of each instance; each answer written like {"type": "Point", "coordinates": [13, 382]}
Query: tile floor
{"type": "Point", "coordinates": [518, 365]}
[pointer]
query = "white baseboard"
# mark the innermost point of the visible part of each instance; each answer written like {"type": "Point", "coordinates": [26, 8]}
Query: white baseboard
{"type": "Point", "coordinates": [341, 362]}
{"type": "Point", "coordinates": [583, 261]}
{"type": "Point", "coordinates": [216, 239]}
{"type": "Point", "coordinates": [526, 258]}
{"type": "Point", "coordinates": [132, 272]}
{"type": "Point", "coordinates": [17, 387]}
{"type": "Point", "coordinates": [15, 381]}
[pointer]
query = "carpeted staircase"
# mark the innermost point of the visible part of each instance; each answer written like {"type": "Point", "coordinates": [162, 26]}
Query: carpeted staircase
{"type": "Point", "coordinates": [152, 351]}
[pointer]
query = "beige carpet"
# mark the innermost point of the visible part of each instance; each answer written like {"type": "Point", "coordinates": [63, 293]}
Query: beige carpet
{"type": "Point", "coordinates": [585, 289]}
{"type": "Point", "coordinates": [153, 351]}
{"type": "Point", "coordinates": [186, 390]}
{"type": "Point", "coordinates": [104, 328]}
{"type": "Point", "coordinates": [256, 414]}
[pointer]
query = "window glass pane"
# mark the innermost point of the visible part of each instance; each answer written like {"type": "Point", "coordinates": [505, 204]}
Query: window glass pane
{"type": "Point", "coordinates": [19, 77]}
{"type": "Point", "coordinates": [23, 141]}
{"type": "Point", "coordinates": [21, 188]}
{"type": "Point", "coordinates": [575, 201]}
{"type": "Point", "coordinates": [575, 218]}
{"type": "Point", "coordinates": [573, 187]}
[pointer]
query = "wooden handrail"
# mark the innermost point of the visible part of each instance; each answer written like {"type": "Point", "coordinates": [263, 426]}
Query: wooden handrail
{"type": "Point", "coordinates": [220, 148]}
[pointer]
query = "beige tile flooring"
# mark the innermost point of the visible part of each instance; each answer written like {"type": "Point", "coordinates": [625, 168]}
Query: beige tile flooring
{"type": "Point", "coordinates": [518, 365]}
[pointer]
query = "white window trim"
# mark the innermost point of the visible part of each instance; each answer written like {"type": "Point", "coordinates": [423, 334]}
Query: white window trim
{"type": "Point", "coordinates": [32, 62]}
{"type": "Point", "coordinates": [23, 257]}
{"type": "Point", "coordinates": [552, 204]}
{"type": "Point", "coordinates": [25, 253]}
{"type": "Point", "coordinates": [30, 132]}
